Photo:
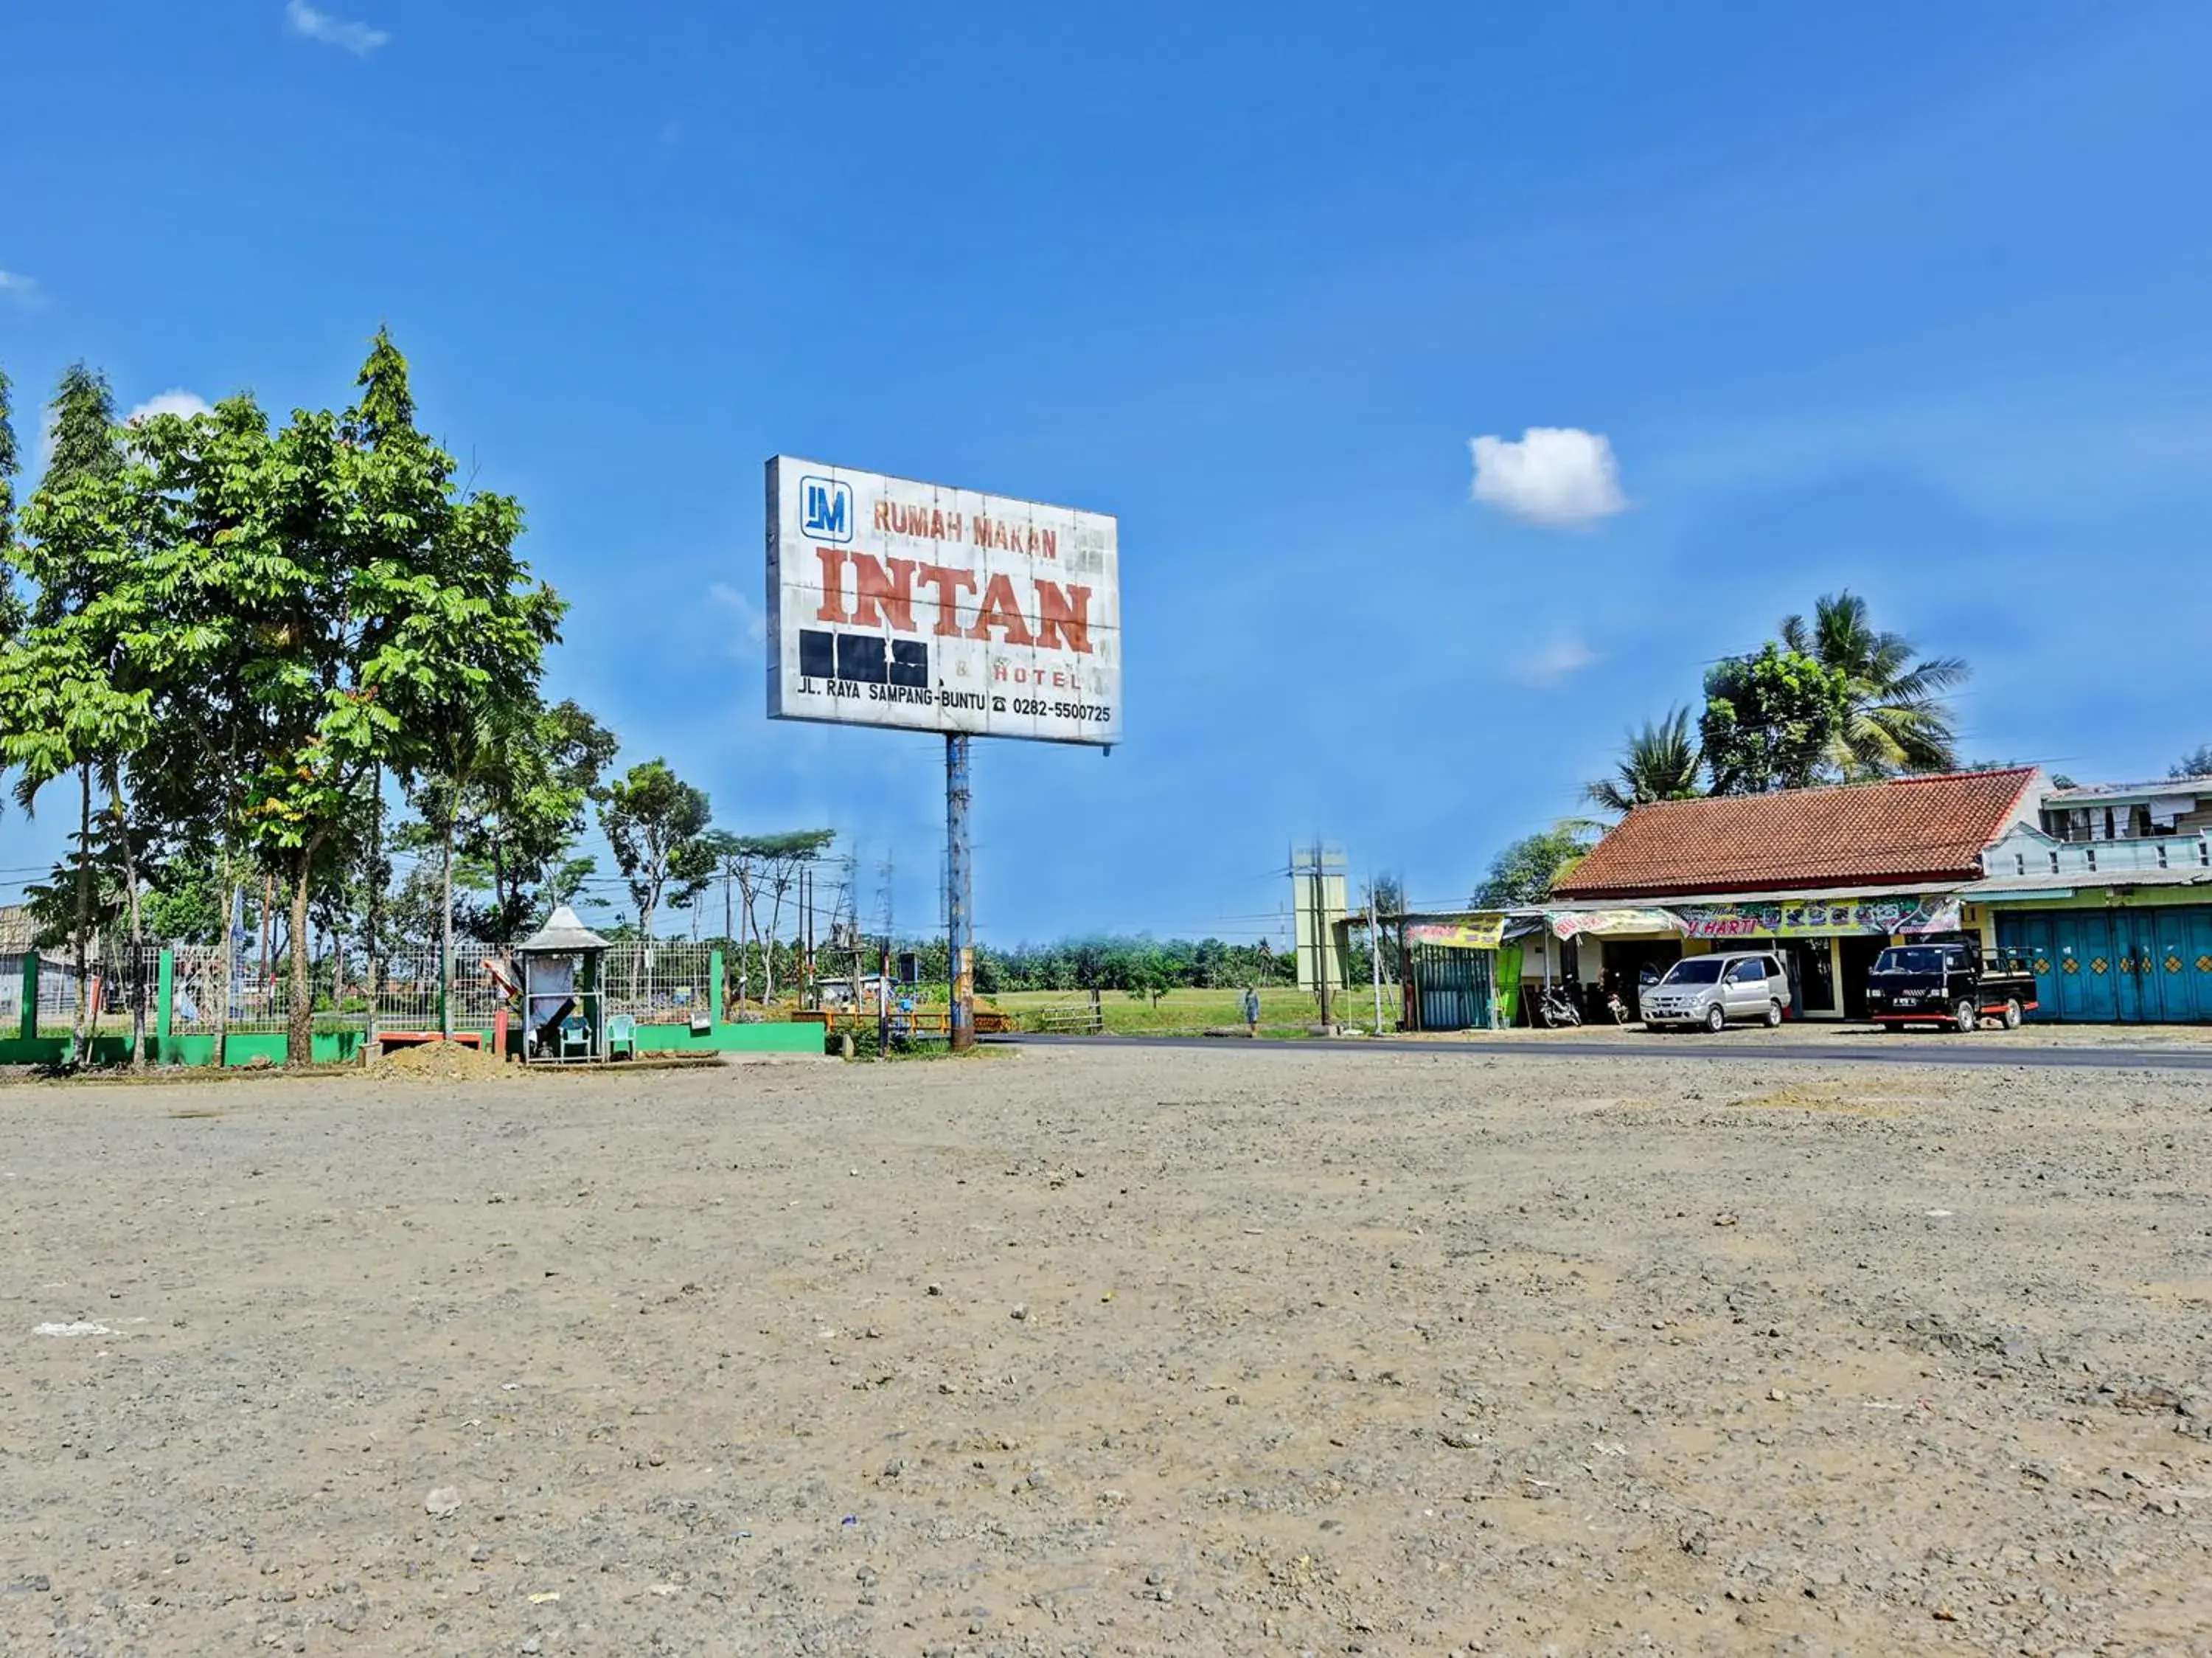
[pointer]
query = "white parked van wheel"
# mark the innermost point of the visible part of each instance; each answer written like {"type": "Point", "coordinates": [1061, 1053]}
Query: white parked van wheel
{"type": "Point", "coordinates": [1773, 1015]}
{"type": "Point", "coordinates": [1716, 1018]}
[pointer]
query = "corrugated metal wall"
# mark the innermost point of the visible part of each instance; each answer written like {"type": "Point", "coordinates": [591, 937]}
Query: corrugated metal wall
{"type": "Point", "coordinates": [1452, 988]}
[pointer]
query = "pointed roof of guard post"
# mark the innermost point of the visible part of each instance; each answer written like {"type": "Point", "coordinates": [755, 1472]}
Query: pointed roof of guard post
{"type": "Point", "coordinates": [563, 931]}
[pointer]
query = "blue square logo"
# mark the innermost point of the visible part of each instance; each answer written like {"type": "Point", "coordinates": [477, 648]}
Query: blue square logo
{"type": "Point", "coordinates": [825, 510]}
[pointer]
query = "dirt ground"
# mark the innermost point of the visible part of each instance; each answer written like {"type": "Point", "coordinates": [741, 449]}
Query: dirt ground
{"type": "Point", "coordinates": [1090, 1352]}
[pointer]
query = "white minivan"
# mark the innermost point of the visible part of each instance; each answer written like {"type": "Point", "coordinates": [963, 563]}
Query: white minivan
{"type": "Point", "coordinates": [1714, 990]}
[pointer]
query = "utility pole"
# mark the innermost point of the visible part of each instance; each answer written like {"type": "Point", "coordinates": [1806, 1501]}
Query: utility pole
{"type": "Point", "coordinates": [884, 958]}
{"type": "Point", "coordinates": [806, 932]}
{"type": "Point", "coordinates": [849, 892]}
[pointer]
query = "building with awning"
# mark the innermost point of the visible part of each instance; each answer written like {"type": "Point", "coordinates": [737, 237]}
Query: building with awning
{"type": "Point", "coordinates": [2103, 891]}
{"type": "Point", "coordinates": [1465, 969]}
{"type": "Point", "coordinates": [2107, 899]}
{"type": "Point", "coordinates": [1823, 878]}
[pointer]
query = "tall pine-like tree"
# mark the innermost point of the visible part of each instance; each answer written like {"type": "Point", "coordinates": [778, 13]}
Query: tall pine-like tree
{"type": "Point", "coordinates": [11, 604]}
{"type": "Point", "coordinates": [59, 709]}
{"type": "Point", "coordinates": [400, 616]}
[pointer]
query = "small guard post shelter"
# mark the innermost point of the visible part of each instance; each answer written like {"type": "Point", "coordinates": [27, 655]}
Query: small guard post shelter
{"type": "Point", "coordinates": [563, 1005]}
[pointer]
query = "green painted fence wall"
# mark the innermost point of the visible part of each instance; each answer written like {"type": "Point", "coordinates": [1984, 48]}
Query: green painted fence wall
{"type": "Point", "coordinates": [340, 1047]}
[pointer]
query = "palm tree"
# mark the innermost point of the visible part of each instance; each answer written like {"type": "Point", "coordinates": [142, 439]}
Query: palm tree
{"type": "Point", "coordinates": [1899, 720]}
{"type": "Point", "coordinates": [1660, 762]}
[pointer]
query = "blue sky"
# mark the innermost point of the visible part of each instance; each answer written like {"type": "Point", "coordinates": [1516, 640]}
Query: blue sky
{"type": "Point", "coordinates": [1906, 298]}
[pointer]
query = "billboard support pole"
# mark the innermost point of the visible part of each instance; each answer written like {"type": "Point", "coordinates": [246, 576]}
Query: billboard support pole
{"type": "Point", "coordinates": [960, 955]}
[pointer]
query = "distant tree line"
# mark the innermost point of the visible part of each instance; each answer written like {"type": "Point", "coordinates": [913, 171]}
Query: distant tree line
{"type": "Point", "coordinates": [1137, 966]}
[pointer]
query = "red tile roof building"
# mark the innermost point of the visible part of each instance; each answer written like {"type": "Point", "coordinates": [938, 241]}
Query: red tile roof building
{"type": "Point", "coordinates": [1900, 832]}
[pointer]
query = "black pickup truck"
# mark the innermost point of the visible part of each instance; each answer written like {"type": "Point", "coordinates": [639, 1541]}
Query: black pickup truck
{"type": "Point", "coordinates": [1947, 984]}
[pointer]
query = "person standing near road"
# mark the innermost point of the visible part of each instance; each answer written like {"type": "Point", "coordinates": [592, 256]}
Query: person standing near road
{"type": "Point", "coordinates": [1251, 1010]}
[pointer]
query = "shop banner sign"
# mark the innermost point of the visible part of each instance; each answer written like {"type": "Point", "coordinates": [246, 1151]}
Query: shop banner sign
{"type": "Point", "coordinates": [1611, 924]}
{"type": "Point", "coordinates": [1480, 932]}
{"type": "Point", "coordinates": [1821, 918]}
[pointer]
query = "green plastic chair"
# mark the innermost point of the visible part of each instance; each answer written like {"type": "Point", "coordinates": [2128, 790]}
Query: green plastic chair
{"type": "Point", "coordinates": [575, 1037]}
{"type": "Point", "coordinates": [622, 1032]}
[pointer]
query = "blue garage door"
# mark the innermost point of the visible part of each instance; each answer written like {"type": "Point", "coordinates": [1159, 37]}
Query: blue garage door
{"type": "Point", "coordinates": [2027, 934]}
{"type": "Point", "coordinates": [2127, 965]}
{"type": "Point", "coordinates": [2176, 970]}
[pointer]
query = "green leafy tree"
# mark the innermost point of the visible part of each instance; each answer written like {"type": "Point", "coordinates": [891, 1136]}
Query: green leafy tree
{"type": "Point", "coordinates": [432, 634]}
{"type": "Point", "coordinates": [1526, 871]}
{"type": "Point", "coordinates": [1148, 973]}
{"type": "Point", "coordinates": [2196, 764]}
{"type": "Point", "coordinates": [69, 699]}
{"type": "Point", "coordinates": [526, 785]}
{"type": "Point", "coordinates": [1660, 761]}
{"type": "Point", "coordinates": [1771, 721]}
{"type": "Point", "coordinates": [727, 858]}
{"type": "Point", "coordinates": [332, 599]}
{"type": "Point", "coordinates": [533, 808]}
{"type": "Point", "coordinates": [1209, 960]}
{"type": "Point", "coordinates": [53, 903]}
{"type": "Point", "coordinates": [452, 639]}
{"type": "Point", "coordinates": [187, 899]}
{"type": "Point", "coordinates": [749, 868]}
{"type": "Point", "coordinates": [1896, 718]}
{"type": "Point", "coordinates": [690, 873]}
{"type": "Point", "coordinates": [563, 883]}
{"type": "Point", "coordinates": [652, 819]}
{"type": "Point", "coordinates": [11, 605]}
{"type": "Point", "coordinates": [216, 608]}
{"type": "Point", "coordinates": [781, 856]}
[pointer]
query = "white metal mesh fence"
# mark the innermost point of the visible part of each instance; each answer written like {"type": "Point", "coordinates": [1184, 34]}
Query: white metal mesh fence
{"type": "Point", "coordinates": [407, 989]}
{"type": "Point", "coordinates": [128, 976]}
{"type": "Point", "coordinates": [109, 982]}
{"type": "Point", "coordinates": [57, 988]}
{"type": "Point", "coordinates": [666, 982]}
{"type": "Point", "coordinates": [196, 989]}
{"type": "Point", "coordinates": [258, 1001]}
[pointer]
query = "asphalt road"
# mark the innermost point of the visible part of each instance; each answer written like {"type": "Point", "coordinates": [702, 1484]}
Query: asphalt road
{"type": "Point", "coordinates": [1934, 1048]}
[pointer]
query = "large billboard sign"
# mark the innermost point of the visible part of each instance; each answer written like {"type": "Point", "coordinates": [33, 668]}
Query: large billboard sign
{"type": "Point", "coordinates": [892, 602]}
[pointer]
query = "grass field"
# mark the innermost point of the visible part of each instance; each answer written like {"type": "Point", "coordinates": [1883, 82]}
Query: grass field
{"type": "Point", "coordinates": [1282, 1008]}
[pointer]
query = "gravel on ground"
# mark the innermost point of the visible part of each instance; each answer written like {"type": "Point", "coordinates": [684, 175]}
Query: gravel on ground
{"type": "Point", "coordinates": [1092, 1352]}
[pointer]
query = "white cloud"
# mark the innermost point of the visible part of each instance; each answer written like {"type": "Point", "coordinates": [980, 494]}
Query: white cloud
{"type": "Point", "coordinates": [358, 39]}
{"type": "Point", "coordinates": [1546, 666]}
{"type": "Point", "coordinates": [752, 621]}
{"type": "Point", "coordinates": [176, 401]}
{"type": "Point", "coordinates": [1556, 475]}
{"type": "Point", "coordinates": [17, 286]}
